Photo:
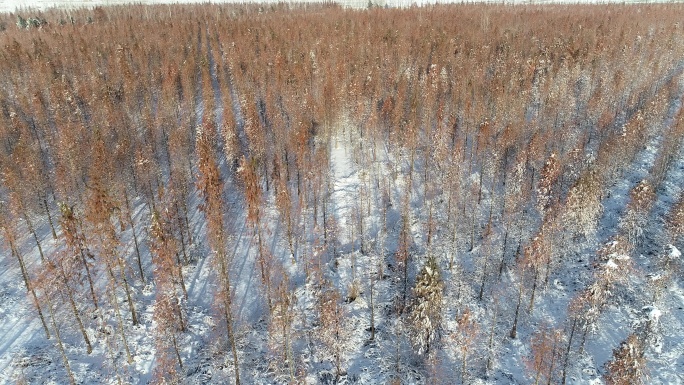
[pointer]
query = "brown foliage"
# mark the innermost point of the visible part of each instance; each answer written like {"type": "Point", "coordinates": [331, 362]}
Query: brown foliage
{"type": "Point", "coordinates": [628, 364]}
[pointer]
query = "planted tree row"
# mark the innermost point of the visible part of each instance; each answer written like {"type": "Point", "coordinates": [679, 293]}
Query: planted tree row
{"type": "Point", "coordinates": [485, 139]}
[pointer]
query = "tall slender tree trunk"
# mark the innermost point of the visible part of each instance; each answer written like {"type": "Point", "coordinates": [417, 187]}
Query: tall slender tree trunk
{"type": "Point", "coordinates": [74, 309]}
{"type": "Point", "coordinates": [175, 348]}
{"type": "Point", "coordinates": [585, 331]}
{"type": "Point", "coordinates": [151, 197]}
{"type": "Point", "coordinates": [35, 236]}
{"type": "Point", "coordinates": [372, 308]}
{"type": "Point", "coordinates": [429, 229]}
{"type": "Point", "coordinates": [183, 250]}
{"type": "Point", "coordinates": [472, 228]}
{"type": "Point", "coordinates": [187, 222]}
{"type": "Point", "coordinates": [325, 222]}
{"type": "Point", "coordinates": [338, 350]}
{"type": "Point", "coordinates": [262, 263]}
{"type": "Point", "coordinates": [537, 376]}
{"type": "Point", "coordinates": [534, 289]}
{"type": "Point", "coordinates": [483, 281]}
{"type": "Point", "coordinates": [553, 360]}
{"type": "Point", "coordinates": [479, 188]}
{"type": "Point", "coordinates": [567, 350]}
{"type": "Point", "coordinates": [40, 312]}
{"type": "Point", "coordinates": [127, 290]}
{"type": "Point", "coordinates": [60, 345]}
{"type": "Point", "coordinates": [135, 179]}
{"type": "Point", "coordinates": [490, 344]}
{"type": "Point", "coordinates": [227, 303]}
{"type": "Point", "coordinates": [290, 235]}
{"type": "Point", "coordinates": [361, 228]}
{"type": "Point", "coordinates": [179, 221]}
{"type": "Point", "coordinates": [514, 329]}
{"type": "Point", "coordinates": [49, 217]}
{"type": "Point", "coordinates": [463, 365]}
{"type": "Point", "coordinates": [135, 237]}
{"type": "Point", "coordinates": [29, 288]}
{"type": "Point", "coordinates": [454, 243]}
{"type": "Point", "coordinates": [547, 272]}
{"type": "Point", "coordinates": [119, 319]}
{"type": "Point", "coordinates": [182, 281]}
{"type": "Point", "coordinates": [502, 264]}
{"type": "Point", "coordinates": [90, 278]}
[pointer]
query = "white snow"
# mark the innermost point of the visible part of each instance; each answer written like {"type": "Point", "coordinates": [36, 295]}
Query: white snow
{"type": "Point", "coordinates": [654, 315]}
{"type": "Point", "coordinates": [21, 343]}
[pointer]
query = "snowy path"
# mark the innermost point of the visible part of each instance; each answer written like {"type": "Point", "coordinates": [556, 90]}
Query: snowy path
{"type": "Point", "coordinates": [345, 183]}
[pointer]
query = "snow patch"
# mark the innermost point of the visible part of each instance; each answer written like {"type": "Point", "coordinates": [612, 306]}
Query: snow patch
{"type": "Point", "coordinates": [654, 314]}
{"type": "Point", "coordinates": [674, 252]}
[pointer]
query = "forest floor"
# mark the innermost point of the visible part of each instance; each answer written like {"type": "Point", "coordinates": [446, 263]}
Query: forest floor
{"type": "Point", "coordinates": [26, 354]}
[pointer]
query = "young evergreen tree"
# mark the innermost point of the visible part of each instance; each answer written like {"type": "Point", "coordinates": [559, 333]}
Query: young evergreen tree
{"type": "Point", "coordinates": [426, 310]}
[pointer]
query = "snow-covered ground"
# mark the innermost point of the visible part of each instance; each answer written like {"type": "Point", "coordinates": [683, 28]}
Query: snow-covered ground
{"type": "Point", "coordinates": [25, 354]}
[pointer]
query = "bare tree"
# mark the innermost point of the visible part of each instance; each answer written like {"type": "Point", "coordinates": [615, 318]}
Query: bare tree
{"type": "Point", "coordinates": [60, 343]}
{"type": "Point", "coordinates": [58, 276]}
{"type": "Point", "coordinates": [170, 289]}
{"type": "Point", "coordinates": [210, 186]}
{"type": "Point", "coordinates": [545, 351]}
{"type": "Point", "coordinates": [281, 325]}
{"type": "Point", "coordinates": [76, 244]}
{"type": "Point", "coordinates": [465, 338]}
{"type": "Point", "coordinates": [333, 324]}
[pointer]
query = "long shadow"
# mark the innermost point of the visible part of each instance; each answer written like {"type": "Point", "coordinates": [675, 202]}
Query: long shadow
{"type": "Point", "coordinates": [618, 197]}
{"type": "Point", "coordinates": [239, 245]}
